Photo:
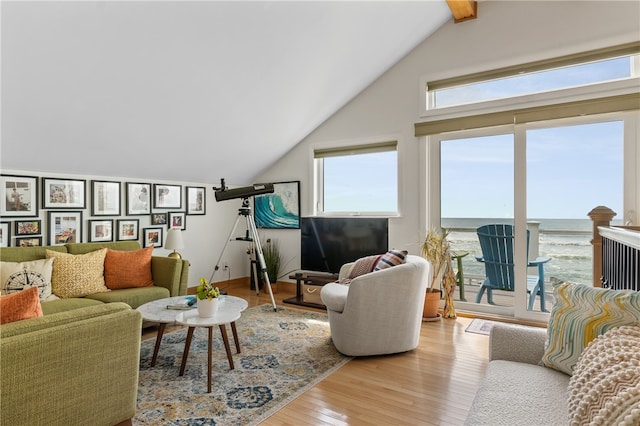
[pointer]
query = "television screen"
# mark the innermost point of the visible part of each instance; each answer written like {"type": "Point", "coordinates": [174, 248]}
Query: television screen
{"type": "Point", "coordinates": [330, 242]}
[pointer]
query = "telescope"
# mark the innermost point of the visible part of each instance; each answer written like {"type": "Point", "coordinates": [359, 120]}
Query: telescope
{"type": "Point", "coordinates": [223, 193]}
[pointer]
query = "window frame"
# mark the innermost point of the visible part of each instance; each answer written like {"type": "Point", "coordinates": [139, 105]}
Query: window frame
{"type": "Point", "coordinates": [427, 85]}
{"type": "Point", "coordinates": [631, 187]}
{"type": "Point", "coordinates": [351, 148]}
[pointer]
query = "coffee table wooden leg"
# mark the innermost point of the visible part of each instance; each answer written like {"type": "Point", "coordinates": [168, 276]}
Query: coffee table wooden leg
{"type": "Point", "coordinates": [185, 354]}
{"type": "Point", "coordinates": [235, 336]}
{"type": "Point", "coordinates": [161, 328]}
{"type": "Point", "coordinates": [209, 355]}
{"type": "Point", "coordinates": [225, 339]}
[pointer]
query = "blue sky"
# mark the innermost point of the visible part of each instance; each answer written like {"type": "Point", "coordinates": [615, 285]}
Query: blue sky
{"type": "Point", "coordinates": [570, 170]}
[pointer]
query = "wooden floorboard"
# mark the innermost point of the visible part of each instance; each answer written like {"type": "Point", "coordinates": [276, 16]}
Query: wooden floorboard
{"type": "Point", "coordinates": [432, 385]}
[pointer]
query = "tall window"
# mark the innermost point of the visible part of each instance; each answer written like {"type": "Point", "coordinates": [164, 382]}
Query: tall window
{"type": "Point", "coordinates": [539, 150]}
{"type": "Point", "coordinates": [357, 179]}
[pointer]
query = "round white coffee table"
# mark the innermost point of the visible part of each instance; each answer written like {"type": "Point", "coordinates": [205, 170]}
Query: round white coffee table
{"type": "Point", "coordinates": [157, 311]}
{"type": "Point", "coordinates": [227, 314]}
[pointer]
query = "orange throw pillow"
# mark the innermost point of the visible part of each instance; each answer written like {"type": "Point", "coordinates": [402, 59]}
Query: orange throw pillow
{"type": "Point", "coordinates": [127, 269]}
{"type": "Point", "coordinates": [24, 304]}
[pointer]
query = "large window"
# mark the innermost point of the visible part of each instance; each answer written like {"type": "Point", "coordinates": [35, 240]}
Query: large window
{"type": "Point", "coordinates": [554, 172]}
{"type": "Point", "coordinates": [357, 179]}
{"type": "Point", "coordinates": [538, 150]}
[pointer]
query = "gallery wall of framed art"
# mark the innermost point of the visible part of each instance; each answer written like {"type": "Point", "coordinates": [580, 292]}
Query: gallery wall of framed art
{"type": "Point", "coordinates": [55, 210]}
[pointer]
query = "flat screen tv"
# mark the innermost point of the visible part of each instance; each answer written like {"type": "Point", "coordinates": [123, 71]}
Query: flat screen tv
{"type": "Point", "coordinates": [330, 242]}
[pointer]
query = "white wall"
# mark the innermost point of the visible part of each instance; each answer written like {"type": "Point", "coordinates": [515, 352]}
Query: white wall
{"type": "Point", "coordinates": [505, 33]}
{"type": "Point", "coordinates": [204, 236]}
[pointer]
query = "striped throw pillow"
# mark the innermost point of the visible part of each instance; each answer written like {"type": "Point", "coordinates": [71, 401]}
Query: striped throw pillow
{"type": "Point", "coordinates": [580, 314]}
{"type": "Point", "coordinates": [391, 258]}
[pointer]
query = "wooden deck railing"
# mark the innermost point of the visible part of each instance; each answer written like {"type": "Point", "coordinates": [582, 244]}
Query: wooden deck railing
{"type": "Point", "coordinates": [616, 252]}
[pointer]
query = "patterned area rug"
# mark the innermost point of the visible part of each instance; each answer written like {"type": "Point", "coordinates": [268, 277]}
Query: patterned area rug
{"type": "Point", "coordinates": [284, 353]}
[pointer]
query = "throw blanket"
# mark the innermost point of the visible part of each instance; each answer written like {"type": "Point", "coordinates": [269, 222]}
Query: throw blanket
{"type": "Point", "coordinates": [361, 266]}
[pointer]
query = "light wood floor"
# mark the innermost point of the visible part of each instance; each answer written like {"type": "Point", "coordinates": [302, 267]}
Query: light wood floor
{"type": "Point", "coordinates": [432, 385]}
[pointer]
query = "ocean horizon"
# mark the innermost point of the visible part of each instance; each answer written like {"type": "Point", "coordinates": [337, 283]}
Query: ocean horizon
{"type": "Point", "coordinates": [566, 241]}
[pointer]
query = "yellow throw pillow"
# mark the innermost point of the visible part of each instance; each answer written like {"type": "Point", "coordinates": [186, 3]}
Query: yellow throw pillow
{"type": "Point", "coordinates": [76, 275]}
{"type": "Point", "coordinates": [605, 386]}
{"type": "Point", "coordinates": [580, 314]}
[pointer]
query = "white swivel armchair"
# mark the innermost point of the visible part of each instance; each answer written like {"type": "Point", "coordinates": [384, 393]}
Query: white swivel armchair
{"type": "Point", "coordinates": [379, 312]}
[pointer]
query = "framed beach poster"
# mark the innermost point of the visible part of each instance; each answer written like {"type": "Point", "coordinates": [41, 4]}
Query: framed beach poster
{"type": "Point", "coordinates": [64, 227]}
{"type": "Point", "coordinates": [280, 209]}
{"type": "Point", "coordinates": [138, 198]}
{"type": "Point", "coordinates": [152, 237]}
{"type": "Point", "coordinates": [19, 196]}
{"type": "Point", "coordinates": [196, 200]}
{"type": "Point", "coordinates": [128, 229]}
{"type": "Point", "coordinates": [105, 198]}
{"type": "Point", "coordinates": [100, 230]}
{"type": "Point", "coordinates": [167, 196]}
{"type": "Point", "coordinates": [5, 234]}
{"type": "Point", "coordinates": [63, 193]}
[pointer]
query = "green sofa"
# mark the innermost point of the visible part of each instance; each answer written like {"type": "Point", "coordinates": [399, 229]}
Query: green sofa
{"type": "Point", "coordinates": [78, 367]}
{"type": "Point", "coordinates": [170, 276]}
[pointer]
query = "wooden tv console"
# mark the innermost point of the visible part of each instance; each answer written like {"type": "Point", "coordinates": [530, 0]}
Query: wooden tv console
{"type": "Point", "coordinates": [314, 278]}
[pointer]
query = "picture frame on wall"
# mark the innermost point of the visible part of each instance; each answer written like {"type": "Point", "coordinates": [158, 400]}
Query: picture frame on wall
{"type": "Point", "coordinates": [152, 237]}
{"type": "Point", "coordinates": [177, 220]}
{"type": "Point", "coordinates": [63, 193]}
{"type": "Point", "coordinates": [105, 198]}
{"type": "Point", "coordinates": [19, 196]}
{"type": "Point", "coordinates": [167, 196]}
{"type": "Point", "coordinates": [29, 242]}
{"type": "Point", "coordinates": [196, 200]}
{"type": "Point", "coordinates": [28, 227]}
{"type": "Point", "coordinates": [138, 198]}
{"type": "Point", "coordinates": [128, 229]}
{"type": "Point", "coordinates": [5, 234]}
{"type": "Point", "coordinates": [100, 230]}
{"type": "Point", "coordinates": [64, 227]}
{"type": "Point", "coordinates": [159, 218]}
{"type": "Point", "coordinates": [279, 209]}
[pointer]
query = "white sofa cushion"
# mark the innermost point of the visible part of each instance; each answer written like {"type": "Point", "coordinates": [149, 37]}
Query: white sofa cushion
{"type": "Point", "coordinates": [515, 393]}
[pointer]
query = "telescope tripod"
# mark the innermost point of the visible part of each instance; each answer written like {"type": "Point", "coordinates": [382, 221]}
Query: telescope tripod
{"type": "Point", "coordinates": [251, 235]}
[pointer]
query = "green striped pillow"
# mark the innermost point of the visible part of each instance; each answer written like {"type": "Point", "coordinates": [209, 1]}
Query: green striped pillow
{"type": "Point", "coordinates": [580, 314]}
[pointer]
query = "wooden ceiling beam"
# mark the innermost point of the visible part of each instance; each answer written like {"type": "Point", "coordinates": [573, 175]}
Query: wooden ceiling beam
{"type": "Point", "coordinates": [463, 10]}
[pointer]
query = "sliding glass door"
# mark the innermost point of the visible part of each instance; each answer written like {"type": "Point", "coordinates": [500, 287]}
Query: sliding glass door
{"type": "Point", "coordinates": [543, 179]}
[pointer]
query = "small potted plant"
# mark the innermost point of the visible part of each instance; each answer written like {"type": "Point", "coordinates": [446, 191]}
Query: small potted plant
{"type": "Point", "coordinates": [436, 249]}
{"type": "Point", "coordinates": [207, 299]}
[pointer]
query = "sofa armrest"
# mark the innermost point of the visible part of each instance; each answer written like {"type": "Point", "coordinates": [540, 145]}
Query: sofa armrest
{"type": "Point", "coordinates": [517, 343]}
{"type": "Point", "coordinates": [72, 372]}
{"type": "Point", "coordinates": [184, 278]}
{"type": "Point", "coordinates": [167, 273]}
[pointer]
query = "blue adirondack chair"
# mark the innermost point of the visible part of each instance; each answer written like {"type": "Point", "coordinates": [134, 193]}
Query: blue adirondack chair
{"type": "Point", "coordinates": [496, 241]}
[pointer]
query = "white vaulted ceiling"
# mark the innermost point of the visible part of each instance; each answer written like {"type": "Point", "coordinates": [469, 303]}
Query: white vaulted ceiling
{"type": "Point", "coordinates": [190, 91]}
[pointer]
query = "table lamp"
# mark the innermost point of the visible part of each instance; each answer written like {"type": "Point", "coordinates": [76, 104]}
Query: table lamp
{"type": "Point", "coordinates": [174, 242]}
